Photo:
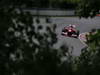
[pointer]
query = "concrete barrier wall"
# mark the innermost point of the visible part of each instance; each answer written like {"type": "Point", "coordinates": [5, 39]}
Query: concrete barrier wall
{"type": "Point", "coordinates": [52, 12]}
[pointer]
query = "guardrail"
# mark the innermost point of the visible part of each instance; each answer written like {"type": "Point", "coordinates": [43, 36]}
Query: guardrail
{"type": "Point", "coordinates": [51, 12]}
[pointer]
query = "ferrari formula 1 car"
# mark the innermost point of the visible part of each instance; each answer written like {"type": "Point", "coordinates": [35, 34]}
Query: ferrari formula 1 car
{"type": "Point", "coordinates": [70, 32]}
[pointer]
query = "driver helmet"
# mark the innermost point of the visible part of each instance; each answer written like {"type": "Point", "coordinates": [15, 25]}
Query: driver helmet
{"type": "Point", "coordinates": [74, 26]}
{"type": "Point", "coordinates": [70, 25]}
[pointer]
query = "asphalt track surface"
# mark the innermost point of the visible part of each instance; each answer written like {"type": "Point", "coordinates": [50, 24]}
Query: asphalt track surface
{"type": "Point", "coordinates": [83, 25]}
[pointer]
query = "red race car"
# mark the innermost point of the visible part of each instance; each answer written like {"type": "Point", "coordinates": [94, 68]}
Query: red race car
{"type": "Point", "coordinates": [70, 31]}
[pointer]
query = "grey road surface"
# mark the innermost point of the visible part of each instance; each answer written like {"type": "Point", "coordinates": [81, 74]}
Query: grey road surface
{"type": "Point", "coordinates": [83, 25]}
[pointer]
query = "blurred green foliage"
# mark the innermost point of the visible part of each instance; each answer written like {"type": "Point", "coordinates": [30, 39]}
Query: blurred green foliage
{"type": "Point", "coordinates": [88, 8]}
{"type": "Point", "coordinates": [89, 60]}
{"type": "Point", "coordinates": [59, 4]}
{"type": "Point", "coordinates": [24, 50]}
